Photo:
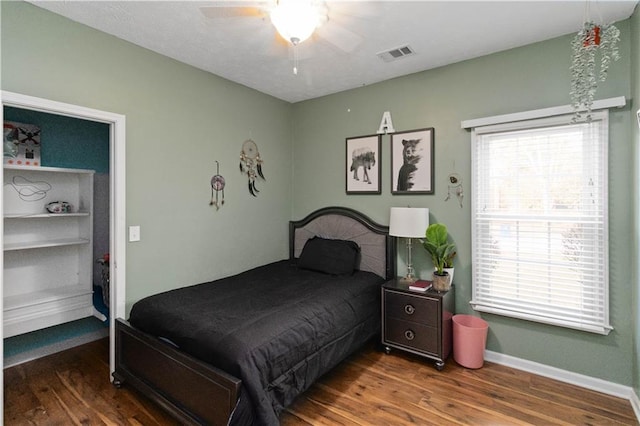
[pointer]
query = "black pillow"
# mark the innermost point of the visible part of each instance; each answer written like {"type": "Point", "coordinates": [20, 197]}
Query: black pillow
{"type": "Point", "coordinates": [335, 257]}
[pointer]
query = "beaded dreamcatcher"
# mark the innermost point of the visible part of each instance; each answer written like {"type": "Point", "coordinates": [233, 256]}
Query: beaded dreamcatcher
{"type": "Point", "coordinates": [217, 186]}
{"type": "Point", "coordinates": [455, 187]}
{"type": "Point", "coordinates": [251, 164]}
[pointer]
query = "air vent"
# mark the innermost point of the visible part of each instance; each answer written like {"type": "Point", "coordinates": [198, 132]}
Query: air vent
{"type": "Point", "coordinates": [395, 54]}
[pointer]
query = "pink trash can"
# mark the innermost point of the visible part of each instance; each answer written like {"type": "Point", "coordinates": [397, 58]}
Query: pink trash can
{"type": "Point", "coordinates": [469, 340]}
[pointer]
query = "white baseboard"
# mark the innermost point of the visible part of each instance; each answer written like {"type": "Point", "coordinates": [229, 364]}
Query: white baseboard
{"type": "Point", "coordinates": [581, 380]}
{"type": "Point", "coordinates": [635, 403]}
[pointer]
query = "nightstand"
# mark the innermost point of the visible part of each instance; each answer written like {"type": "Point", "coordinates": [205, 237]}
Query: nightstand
{"type": "Point", "coordinates": [417, 322]}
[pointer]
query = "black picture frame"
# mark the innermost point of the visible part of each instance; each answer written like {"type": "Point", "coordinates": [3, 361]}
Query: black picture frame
{"type": "Point", "coordinates": [412, 162]}
{"type": "Point", "coordinates": [362, 164]}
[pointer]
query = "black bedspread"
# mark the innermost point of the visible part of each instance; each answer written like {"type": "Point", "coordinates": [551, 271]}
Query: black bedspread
{"type": "Point", "coordinates": [276, 327]}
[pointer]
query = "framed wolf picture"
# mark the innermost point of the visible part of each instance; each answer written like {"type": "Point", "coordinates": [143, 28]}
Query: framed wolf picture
{"type": "Point", "coordinates": [412, 159]}
{"type": "Point", "coordinates": [362, 164]}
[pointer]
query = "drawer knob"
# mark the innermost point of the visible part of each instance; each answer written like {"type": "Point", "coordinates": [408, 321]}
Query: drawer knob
{"type": "Point", "coordinates": [409, 335]}
{"type": "Point", "coordinates": [409, 309]}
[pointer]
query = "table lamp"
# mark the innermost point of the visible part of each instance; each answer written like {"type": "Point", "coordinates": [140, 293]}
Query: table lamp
{"type": "Point", "coordinates": [409, 223]}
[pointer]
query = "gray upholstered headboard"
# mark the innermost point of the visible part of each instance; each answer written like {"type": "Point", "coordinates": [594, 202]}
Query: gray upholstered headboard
{"type": "Point", "coordinates": [378, 249]}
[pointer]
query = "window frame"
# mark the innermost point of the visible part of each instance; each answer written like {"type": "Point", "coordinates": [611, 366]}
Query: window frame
{"type": "Point", "coordinates": [483, 303]}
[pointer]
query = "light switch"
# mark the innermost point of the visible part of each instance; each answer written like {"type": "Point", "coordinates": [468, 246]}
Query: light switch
{"type": "Point", "coordinates": [134, 233]}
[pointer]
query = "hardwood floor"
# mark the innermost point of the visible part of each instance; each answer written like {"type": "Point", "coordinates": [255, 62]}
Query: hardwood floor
{"type": "Point", "coordinates": [402, 389]}
{"type": "Point", "coordinates": [72, 388]}
{"type": "Point", "coordinates": [370, 388]}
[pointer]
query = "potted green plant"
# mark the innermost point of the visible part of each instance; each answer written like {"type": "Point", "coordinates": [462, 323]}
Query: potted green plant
{"type": "Point", "coordinates": [442, 253]}
{"type": "Point", "coordinates": [594, 47]}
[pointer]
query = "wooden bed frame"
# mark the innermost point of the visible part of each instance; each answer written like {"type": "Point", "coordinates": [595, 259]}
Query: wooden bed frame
{"type": "Point", "coordinates": [198, 393]}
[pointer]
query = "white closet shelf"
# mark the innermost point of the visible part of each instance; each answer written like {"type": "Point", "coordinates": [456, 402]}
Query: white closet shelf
{"type": "Point", "coordinates": [43, 215]}
{"type": "Point", "coordinates": [45, 296]}
{"type": "Point", "coordinates": [47, 169]}
{"type": "Point", "coordinates": [45, 243]}
{"type": "Point", "coordinates": [48, 259]}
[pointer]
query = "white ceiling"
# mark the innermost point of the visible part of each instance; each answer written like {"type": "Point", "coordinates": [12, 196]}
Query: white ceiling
{"type": "Point", "coordinates": [248, 51]}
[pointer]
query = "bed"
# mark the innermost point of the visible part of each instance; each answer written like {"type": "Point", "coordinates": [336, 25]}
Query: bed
{"type": "Point", "coordinates": [240, 349]}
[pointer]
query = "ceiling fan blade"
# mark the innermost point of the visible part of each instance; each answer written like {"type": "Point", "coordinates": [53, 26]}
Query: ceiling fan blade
{"type": "Point", "coordinates": [236, 8]}
{"type": "Point", "coordinates": [337, 35]}
{"type": "Point", "coordinates": [223, 11]}
{"type": "Point", "coordinates": [355, 10]}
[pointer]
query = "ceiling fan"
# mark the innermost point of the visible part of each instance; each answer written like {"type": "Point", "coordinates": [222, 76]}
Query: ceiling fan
{"type": "Point", "coordinates": [294, 20]}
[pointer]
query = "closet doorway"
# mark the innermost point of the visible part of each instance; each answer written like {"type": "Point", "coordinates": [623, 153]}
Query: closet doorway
{"type": "Point", "coordinates": [117, 192]}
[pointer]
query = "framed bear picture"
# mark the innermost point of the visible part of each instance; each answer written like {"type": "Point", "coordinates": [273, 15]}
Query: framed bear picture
{"type": "Point", "coordinates": [412, 160]}
{"type": "Point", "coordinates": [362, 165]}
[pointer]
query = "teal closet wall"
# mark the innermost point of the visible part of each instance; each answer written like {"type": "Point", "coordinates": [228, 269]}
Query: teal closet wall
{"type": "Point", "coordinates": [67, 141]}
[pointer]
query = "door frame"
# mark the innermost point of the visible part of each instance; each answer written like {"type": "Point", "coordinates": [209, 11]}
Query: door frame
{"type": "Point", "coordinates": [117, 197]}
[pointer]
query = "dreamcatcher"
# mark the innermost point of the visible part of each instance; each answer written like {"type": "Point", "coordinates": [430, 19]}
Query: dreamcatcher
{"type": "Point", "coordinates": [251, 164]}
{"type": "Point", "coordinates": [217, 185]}
{"type": "Point", "coordinates": [455, 187]}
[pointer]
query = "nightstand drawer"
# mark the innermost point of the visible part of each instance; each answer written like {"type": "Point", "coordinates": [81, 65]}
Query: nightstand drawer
{"type": "Point", "coordinates": [412, 335]}
{"type": "Point", "coordinates": [411, 308]}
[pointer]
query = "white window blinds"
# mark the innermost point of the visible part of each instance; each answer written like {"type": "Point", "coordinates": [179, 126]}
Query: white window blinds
{"type": "Point", "coordinates": [540, 222]}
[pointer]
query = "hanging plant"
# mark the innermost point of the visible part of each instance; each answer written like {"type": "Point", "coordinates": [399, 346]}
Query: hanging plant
{"type": "Point", "coordinates": [586, 68]}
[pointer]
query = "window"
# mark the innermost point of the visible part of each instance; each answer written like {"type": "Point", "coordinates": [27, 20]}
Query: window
{"type": "Point", "coordinates": [540, 221]}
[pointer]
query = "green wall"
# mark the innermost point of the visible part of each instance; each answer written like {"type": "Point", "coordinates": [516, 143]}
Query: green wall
{"type": "Point", "coordinates": [180, 120]}
{"type": "Point", "coordinates": [635, 106]}
{"type": "Point", "coordinates": [531, 77]}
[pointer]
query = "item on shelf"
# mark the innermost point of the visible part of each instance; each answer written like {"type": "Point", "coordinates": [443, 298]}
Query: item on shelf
{"type": "Point", "coordinates": [25, 139]}
{"type": "Point", "coordinates": [420, 285]}
{"type": "Point", "coordinates": [9, 141]}
{"type": "Point", "coordinates": [59, 207]}
{"type": "Point", "coordinates": [29, 190]}
{"type": "Point", "coordinates": [251, 164]}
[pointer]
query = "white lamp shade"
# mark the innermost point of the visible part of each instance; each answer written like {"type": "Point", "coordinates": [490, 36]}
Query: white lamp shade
{"type": "Point", "coordinates": [408, 222]}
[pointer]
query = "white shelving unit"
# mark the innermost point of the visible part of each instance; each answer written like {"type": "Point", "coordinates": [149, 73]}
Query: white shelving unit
{"type": "Point", "coordinates": [48, 258]}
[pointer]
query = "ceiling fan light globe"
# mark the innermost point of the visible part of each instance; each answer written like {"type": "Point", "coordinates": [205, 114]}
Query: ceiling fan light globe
{"type": "Point", "coordinates": [295, 20]}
